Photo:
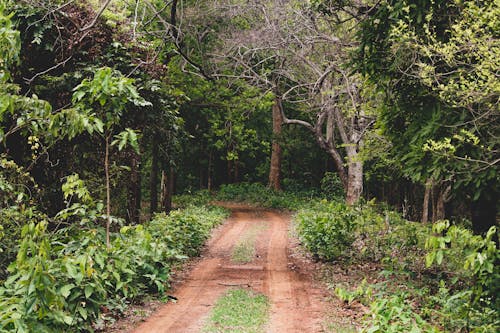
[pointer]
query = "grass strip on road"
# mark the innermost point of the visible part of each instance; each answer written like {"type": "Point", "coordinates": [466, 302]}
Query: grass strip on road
{"type": "Point", "coordinates": [244, 251]}
{"type": "Point", "coordinates": [239, 310]}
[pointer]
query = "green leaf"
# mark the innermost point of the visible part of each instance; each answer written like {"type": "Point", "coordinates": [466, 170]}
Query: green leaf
{"type": "Point", "coordinates": [66, 290]}
{"type": "Point", "coordinates": [439, 257]}
{"type": "Point", "coordinates": [68, 320]}
{"type": "Point", "coordinates": [83, 312]}
{"type": "Point", "coordinates": [88, 291]}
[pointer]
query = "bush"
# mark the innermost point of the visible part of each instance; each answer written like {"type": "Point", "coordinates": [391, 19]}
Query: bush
{"type": "Point", "coordinates": [69, 280]}
{"type": "Point", "coordinates": [198, 198]}
{"type": "Point", "coordinates": [259, 194]}
{"type": "Point", "coordinates": [423, 256]}
{"type": "Point", "coordinates": [327, 230]}
{"type": "Point", "coordinates": [331, 186]}
{"type": "Point", "coordinates": [394, 314]}
{"type": "Point", "coordinates": [18, 193]}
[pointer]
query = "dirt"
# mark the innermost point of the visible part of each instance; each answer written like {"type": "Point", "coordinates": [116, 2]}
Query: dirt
{"type": "Point", "coordinates": [297, 303]}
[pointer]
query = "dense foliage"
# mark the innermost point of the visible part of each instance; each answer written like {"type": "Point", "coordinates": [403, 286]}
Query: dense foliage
{"type": "Point", "coordinates": [69, 280]}
{"type": "Point", "coordinates": [110, 108]}
{"type": "Point", "coordinates": [451, 276]}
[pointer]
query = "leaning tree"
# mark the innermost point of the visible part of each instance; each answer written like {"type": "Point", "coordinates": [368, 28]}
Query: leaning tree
{"type": "Point", "coordinates": [301, 55]}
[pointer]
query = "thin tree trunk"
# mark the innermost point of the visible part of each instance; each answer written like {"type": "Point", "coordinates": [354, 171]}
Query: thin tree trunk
{"type": "Point", "coordinates": [167, 204]}
{"type": "Point", "coordinates": [209, 171]}
{"type": "Point", "coordinates": [236, 174]}
{"type": "Point", "coordinates": [108, 192]}
{"type": "Point", "coordinates": [275, 169]}
{"type": "Point", "coordinates": [163, 188]}
{"type": "Point", "coordinates": [229, 171]}
{"type": "Point", "coordinates": [134, 189]}
{"type": "Point", "coordinates": [427, 195]}
{"type": "Point", "coordinates": [153, 185]}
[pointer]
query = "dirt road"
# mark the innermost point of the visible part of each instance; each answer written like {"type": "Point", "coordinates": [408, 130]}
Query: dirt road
{"type": "Point", "coordinates": [296, 305]}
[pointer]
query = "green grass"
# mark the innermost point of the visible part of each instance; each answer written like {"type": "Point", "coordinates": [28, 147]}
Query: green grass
{"type": "Point", "coordinates": [337, 325]}
{"type": "Point", "coordinates": [244, 250]}
{"type": "Point", "coordinates": [239, 310]}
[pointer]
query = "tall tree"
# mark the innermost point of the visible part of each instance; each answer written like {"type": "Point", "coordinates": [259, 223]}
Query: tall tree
{"type": "Point", "coordinates": [290, 48]}
{"type": "Point", "coordinates": [438, 61]}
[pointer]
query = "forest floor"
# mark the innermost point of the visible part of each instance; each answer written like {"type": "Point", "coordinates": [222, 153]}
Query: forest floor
{"type": "Point", "coordinates": [299, 301]}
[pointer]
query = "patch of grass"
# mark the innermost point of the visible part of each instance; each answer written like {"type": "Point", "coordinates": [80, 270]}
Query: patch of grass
{"type": "Point", "coordinates": [244, 250]}
{"type": "Point", "coordinates": [239, 310]}
{"type": "Point", "coordinates": [336, 327]}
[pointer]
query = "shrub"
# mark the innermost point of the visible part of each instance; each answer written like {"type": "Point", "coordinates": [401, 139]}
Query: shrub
{"type": "Point", "coordinates": [328, 229]}
{"type": "Point", "coordinates": [331, 186]}
{"type": "Point", "coordinates": [259, 194]}
{"type": "Point", "coordinates": [394, 314]}
{"type": "Point", "coordinates": [67, 280]}
{"type": "Point", "coordinates": [18, 193]}
{"type": "Point", "coordinates": [198, 198]}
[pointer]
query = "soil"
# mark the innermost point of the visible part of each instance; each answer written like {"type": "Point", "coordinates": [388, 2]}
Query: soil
{"type": "Point", "coordinates": [297, 302]}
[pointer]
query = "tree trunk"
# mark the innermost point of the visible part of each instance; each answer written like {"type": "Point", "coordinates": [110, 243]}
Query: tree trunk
{"type": "Point", "coordinates": [209, 171]}
{"type": "Point", "coordinates": [427, 195]}
{"type": "Point", "coordinates": [354, 182]}
{"type": "Point", "coordinates": [167, 197]}
{"type": "Point", "coordinates": [134, 189]}
{"type": "Point", "coordinates": [108, 192]}
{"type": "Point", "coordinates": [153, 185]}
{"type": "Point", "coordinates": [442, 199]}
{"type": "Point", "coordinates": [236, 175]}
{"type": "Point", "coordinates": [275, 170]}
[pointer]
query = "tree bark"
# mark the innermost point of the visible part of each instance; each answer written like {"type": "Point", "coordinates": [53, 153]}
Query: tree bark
{"type": "Point", "coordinates": [354, 182]}
{"type": "Point", "coordinates": [134, 189]}
{"type": "Point", "coordinates": [166, 190]}
{"type": "Point", "coordinates": [275, 169]}
{"type": "Point", "coordinates": [209, 171]}
{"type": "Point", "coordinates": [153, 185]}
{"type": "Point", "coordinates": [170, 190]}
{"type": "Point", "coordinates": [442, 199]}
{"type": "Point", "coordinates": [427, 195]}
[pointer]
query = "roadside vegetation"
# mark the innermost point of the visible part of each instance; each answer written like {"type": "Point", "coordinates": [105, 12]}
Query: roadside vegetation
{"type": "Point", "coordinates": [434, 277]}
{"type": "Point", "coordinates": [69, 280]}
{"type": "Point", "coordinates": [376, 122]}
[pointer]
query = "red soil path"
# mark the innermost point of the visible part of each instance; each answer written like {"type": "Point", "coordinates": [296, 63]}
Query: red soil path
{"type": "Point", "coordinates": [296, 305]}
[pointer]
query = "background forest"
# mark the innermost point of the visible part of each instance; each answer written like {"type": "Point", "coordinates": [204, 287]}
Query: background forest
{"type": "Point", "coordinates": [109, 108]}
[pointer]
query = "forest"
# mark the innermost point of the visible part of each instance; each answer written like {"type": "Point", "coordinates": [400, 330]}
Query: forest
{"type": "Point", "coordinates": [353, 143]}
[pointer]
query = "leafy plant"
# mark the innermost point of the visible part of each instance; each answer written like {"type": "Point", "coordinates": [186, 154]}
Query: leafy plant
{"type": "Point", "coordinates": [394, 314]}
{"type": "Point", "coordinates": [328, 229]}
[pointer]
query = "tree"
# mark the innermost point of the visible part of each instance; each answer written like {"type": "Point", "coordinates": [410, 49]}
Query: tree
{"type": "Point", "coordinates": [301, 55]}
{"type": "Point", "coordinates": [107, 95]}
{"type": "Point", "coordinates": [438, 61]}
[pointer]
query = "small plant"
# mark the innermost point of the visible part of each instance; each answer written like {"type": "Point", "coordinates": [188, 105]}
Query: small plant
{"type": "Point", "coordinates": [328, 229]}
{"type": "Point", "coordinates": [244, 250]}
{"type": "Point", "coordinates": [394, 314]}
{"type": "Point", "coordinates": [362, 293]}
{"type": "Point", "coordinates": [331, 186]}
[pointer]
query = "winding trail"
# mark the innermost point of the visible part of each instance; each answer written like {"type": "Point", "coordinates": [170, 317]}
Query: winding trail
{"type": "Point", "coordinates": [296, 305]}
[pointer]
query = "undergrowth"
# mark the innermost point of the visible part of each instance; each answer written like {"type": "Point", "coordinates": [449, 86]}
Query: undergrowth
{"type": "Point", "coordinates": [67, 280]}
{"type": "Point", "coordinates": [432, 278]}
{"type": "Point", "coordinates": [425, 277]}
